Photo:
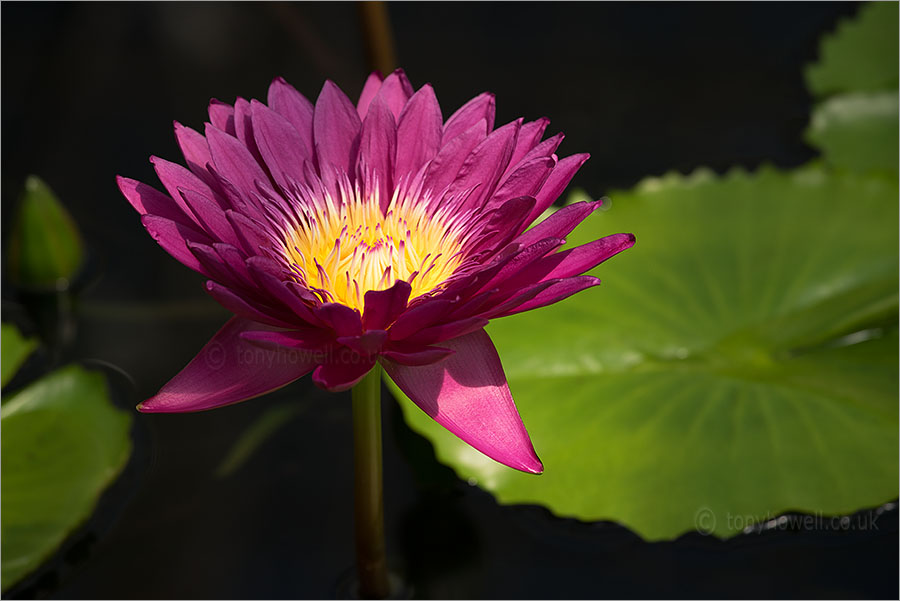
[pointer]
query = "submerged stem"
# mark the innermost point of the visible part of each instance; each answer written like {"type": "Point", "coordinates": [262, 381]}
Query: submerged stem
{"type": "Point", "coordinates": [371, 563]}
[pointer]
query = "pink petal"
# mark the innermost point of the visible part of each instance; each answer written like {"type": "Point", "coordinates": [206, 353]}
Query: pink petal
{"type": "Point", "coordinates": [378, 150]}
{"type": "Point", "coordinates": [578, 260]}
{"type": "Point", "coordinates": [285, 100]}
{"type": "Point", "coordinates": [395, 91]}
{"type": "Point", "coordinates": [342, 369]}
{"type": "Point", "coordinates": [196, 152]}
{"type": "Point", "coordinates": [560, 223]}
{"type": "Point", "coordinates": [418, 132]}
{"type": "Point", "coordinates": [251, 236]}
{"type": "Point", "coordinates": [545, 148]}
{"type": "Point", "coordinates": [173, 237]}
{"type": "Point", "coordinates": [210, 216]}
{"type": "Point", "coordinates": [368, 344]}
{"type": "Point", "coordinates": [481, 107]}
{"type": "Point", "coordinates": [382, 307]}
{"type": "Point", "coordinates": [239, 306]}
{"type": "Point", "coordinates": [553, 293]}
{"type": "Point", "coordinates": [336, 128]}
{"type": "Point", "coordinates": [370, 88]}
{"type": "Point", "coordinates": [341, 318]}
{"type": "Point", "coordinates": [282, 149]}
{"type": "Point", "coordinates": [174, 177]}
{"type": "Point", "coordinates": [418, 317]}
{"type": "Point", "coordinates": [148, 200]}
{"type": "Point", "coordinates": [446, 331]}
{"type": "Point", "coordinates": [228, 370]}
{"type": "Point", "coordinates": [311, 339]}
{"type": "Point", "coordinates": [484, 166]}
{"type": "Point", "coordinates": [443, 168]}
{"type": "Point", "coordinates": [467, 393]}
{"type": "Point", "coordinates": [243, 125]}
{"type": "Point", "coordinates": [420, 355]}
{"type": "Point", "coordinates": [234, 162]}
{"type": "Point", "coordinates": [526, 180]}
{"type": "Point", "coordinates": [529, 137]}
{"type": "Point", "coordinates": [221, 115]}
{"type": "Point", "coordinates": [557, 181]}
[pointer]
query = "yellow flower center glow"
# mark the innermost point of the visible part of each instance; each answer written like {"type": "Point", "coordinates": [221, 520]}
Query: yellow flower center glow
{"type": "Point", "coordinates": [342, 250]}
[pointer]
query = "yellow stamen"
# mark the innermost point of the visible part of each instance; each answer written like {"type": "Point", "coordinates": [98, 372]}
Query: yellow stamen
{"type": "Point", "coordinates": [344, 249]}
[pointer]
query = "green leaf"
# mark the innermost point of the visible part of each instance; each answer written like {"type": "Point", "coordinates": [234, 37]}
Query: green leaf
{"type": "Point", "coordinates": [740, 361]}
{"type": "Point", "coordinates": [45, 247]}
{"type": "Point", "coordinates": [63, 443]}
{"type": "Point", "coordinates": [858, 131]}
{"type": "Point", "coordinates": [861, 56]}
{"type": "Point", "coordinates": [14, 349]}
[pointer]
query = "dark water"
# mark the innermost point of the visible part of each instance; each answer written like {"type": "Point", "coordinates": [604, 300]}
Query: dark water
{"type": "Point", "coordinates": [90, 91]}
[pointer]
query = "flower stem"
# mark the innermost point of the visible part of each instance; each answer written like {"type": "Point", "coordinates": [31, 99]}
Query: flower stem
{"type": "Point", "coordinates": [371, 563]}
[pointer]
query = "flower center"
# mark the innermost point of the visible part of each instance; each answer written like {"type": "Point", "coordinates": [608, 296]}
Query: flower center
{"type": "Point", "coordinates": [343, 250]}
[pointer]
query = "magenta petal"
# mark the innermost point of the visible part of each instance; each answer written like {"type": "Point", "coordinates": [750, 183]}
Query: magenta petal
{"type": "Point", "coordinates": [368, 344]}
{"type": "Point", "coordinates": [251, 236]}
{"type": "Point", "coordinates": [418, 317]}
{"type": "Point", "coordinates": [480, 107]}
{"type": "Point", "coordinates": [173, 237]}
{"type": "Point", "coordinates": [382, 307]}
{"type": "Point", "coordinates": [228, 370]}
{"type": "Point", "coordinates": [580, 259]}
{"type": "Point", "coordinates": [560, 223]}
{"type": "Point", "coordinates": [243, 126]}
{"type": "Point", "coordinates": [237, 305]}
{"type": "Point", "coordinates": [418, 132]}
{"type": "Point", "coordinates": [210, 216]}
{"type": "Point", "coordinates": [529, 137]}
{"type": "Point", "coordinates": [425, 355]}
{"type": "Point", "coordinates": [234, 162]}
{"type": "Point", "coordinates": [447, 331]}
{"type": "Point", "coordinates": [378, 150]}
{"type": "Point", "coordinates": [148, 200]}
{"type": "Point", "coordinates": [553, 293]}
{"type": "Point", "coordinates": [221, 115]}
{"type": "Point", "coordinates": [196, 152]}
{"type": "Point", "coordinates": [395, 91]}
{"type": "Point", "coordinates": [526, 180]}
{"type": "Point", "coordinates": [342, 369]}
{"type": "Point", "coordinates": [311, 339]}
{"type": "Point", "coordinates": [175, 177]}
{"type": "Point", "coordinates": [285, 100]}
{"type": "Point", "coordinates": [446, 164]}
{"type": "Point", "coordinates": [484, 166]}
{"type": "Point", "coordinates": [467, 393]}
{"type": "Point", "coordinates": [557, 181]}
{"type": "Point", "coordinates": [370, 88]}
{"type": "Point", "coordinates": [341, 318]}
{"type": "Point", "coordinates": [336, 128]}
{"type": "Point", "coordinates": [280, 146]}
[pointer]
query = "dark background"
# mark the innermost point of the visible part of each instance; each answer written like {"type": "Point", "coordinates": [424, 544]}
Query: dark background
{"type": "Point", "coordinates": [90, 91]}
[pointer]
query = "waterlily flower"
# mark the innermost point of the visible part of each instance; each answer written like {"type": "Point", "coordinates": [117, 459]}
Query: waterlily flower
{"type": "Point", "coordinates": [342, 236]}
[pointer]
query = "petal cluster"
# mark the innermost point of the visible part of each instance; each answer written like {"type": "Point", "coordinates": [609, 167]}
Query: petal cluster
{"type": "Point", "coordinates": [342, 235]}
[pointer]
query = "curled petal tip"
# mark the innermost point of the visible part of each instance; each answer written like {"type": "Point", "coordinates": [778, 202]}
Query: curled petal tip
{"type": "Point", "coordinates": [139, 407]}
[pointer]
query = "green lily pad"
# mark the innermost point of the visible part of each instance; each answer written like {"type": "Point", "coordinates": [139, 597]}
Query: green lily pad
{"type": "Point", "coordinates": [63, 443]}
{"type": "Point", "coordinates": [45, 247]}
{"type": "Point", "coordinates": [858, 131]}
{"type": "Point", "coordinates": [739, 362]}
{"type": "Point", "coordinates": [861, 56]}
{"type": "Point", "coordinates": [14, 349]}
